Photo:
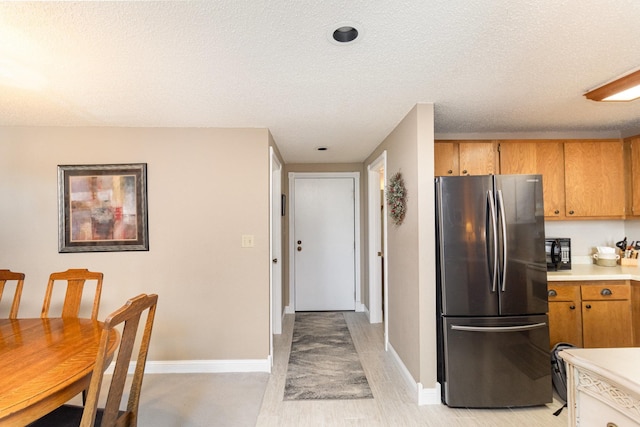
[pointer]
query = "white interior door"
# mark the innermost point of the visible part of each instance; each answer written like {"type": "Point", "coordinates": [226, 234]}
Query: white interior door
{"type": "Point", "coordinates": [276, 245]}
{"type": "Point", "coordinates": [376, 212]}
{"type": "Point", "coordinates": [324, 244]}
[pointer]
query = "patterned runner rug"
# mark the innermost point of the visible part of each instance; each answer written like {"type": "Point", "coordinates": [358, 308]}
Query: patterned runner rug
{"type": "Point", "coordinates": [324, 363]}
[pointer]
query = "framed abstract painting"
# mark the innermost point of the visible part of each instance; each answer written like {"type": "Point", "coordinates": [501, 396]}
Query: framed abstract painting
{"type": "Point", "coordinates": [102, 208]}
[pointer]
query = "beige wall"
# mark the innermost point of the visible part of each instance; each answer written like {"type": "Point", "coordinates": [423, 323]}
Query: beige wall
{"type": "Point", "coordinates": [206, 188]}
{"type": "Point", "coordinates": [427, 244]}
{"type": "Point", "coordinates": [411, 268]}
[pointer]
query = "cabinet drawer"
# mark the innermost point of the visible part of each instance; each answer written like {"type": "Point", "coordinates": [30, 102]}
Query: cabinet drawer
{"type": "Point", "coordinates": [606, 291]}
{"type": "Point", "coordinates": [563, 292]}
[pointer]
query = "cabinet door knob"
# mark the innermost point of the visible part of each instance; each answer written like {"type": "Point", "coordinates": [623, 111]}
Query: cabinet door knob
{"type": "Point", "coordinates": [552, 293]}
{"type": "Point", "coordinates": [464, 172]}
{"type": "Point", "coordinates": [571, 212]}
{"type": "Point", "coordinates": [588, 306]}
{"type": "Point", "coordinates": [572, 307]}
{"type": "Point", "coordinates": [449, 171]}
{"type": "Point", "coordinates": [606, 292]}
{"type": "Point", "coordinates": [557, 212]}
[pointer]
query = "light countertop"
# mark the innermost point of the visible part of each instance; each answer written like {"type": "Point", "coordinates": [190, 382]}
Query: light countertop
{"type": "Point", "coordinates": [594, 272]}
{"type": "Point", "coordinates": [617, 364]}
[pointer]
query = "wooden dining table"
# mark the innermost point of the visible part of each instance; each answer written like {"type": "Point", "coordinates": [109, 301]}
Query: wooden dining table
{"type": "Point", "coordinates": [44, 363]}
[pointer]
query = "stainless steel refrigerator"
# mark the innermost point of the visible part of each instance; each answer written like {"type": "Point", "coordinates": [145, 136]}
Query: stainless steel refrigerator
{"type": "Point", "coordinates": [493, 334]}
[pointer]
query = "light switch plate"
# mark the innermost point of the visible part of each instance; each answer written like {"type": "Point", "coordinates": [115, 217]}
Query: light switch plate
{"type": "Point", "coordinates": [247, 241]}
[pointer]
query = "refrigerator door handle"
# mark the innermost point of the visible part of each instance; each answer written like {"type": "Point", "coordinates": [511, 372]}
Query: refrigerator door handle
{"type": "Point", "coordinates": [498, 328]}
{"type": "Point", "coordinates": [494, 224]}
{"type": "Point", "coordinates": [503, 222]}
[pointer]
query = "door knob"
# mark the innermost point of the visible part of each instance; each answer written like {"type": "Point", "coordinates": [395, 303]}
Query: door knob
{"type": "Point", "coordinates": [299, 248]}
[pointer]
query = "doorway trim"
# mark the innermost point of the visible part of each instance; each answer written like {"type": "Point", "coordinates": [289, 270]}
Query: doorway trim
{"type": "Point", "coordinates": [275, 248]}
{"type": "Point", "coordinates": [377, 231]}
{"type": "Point", "coordinates": [357, 264]}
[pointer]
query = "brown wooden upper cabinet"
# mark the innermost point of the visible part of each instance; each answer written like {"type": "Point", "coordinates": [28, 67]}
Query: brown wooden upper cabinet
{"type": "Point", "coordinates": [581, 178]}
{"type": "Point", "coordinates": [538, 157]}
{"type": "Point", "coordinates": [594, 178]}
{"type": "Point", "coordinates": [454, 158]}
{"type": "Point", "coordinates": [632, 145]}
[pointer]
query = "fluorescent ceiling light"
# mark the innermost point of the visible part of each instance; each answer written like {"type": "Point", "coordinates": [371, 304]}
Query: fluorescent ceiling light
{"type": "Point", "coordinates": [625, 88]}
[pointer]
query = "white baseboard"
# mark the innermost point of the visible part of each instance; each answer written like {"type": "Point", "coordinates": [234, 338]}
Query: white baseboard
{"type": "Point", "coordinates": [429, 396]}
{"type": "Point", "coordinates": [201, 366]}
{"type": "Point", "coordinates": [424, 396]}
{"type": "Point", "coordinates": [358, 308]}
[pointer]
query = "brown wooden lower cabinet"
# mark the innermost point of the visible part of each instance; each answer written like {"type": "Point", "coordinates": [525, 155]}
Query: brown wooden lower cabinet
{"type": "Point", "coordinates": [592, 314]}
{"type": "Point", "coordinates": [565, 314]}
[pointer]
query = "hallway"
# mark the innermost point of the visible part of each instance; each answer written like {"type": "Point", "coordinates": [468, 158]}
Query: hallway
{"type": "Point", "coordinates": [393, 404]}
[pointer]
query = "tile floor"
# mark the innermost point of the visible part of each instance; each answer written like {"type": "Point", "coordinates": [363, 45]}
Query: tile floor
{"type": "Point", "coordinates": [255, 399]}
{"type": "Point", "coordinates": [393, 403]}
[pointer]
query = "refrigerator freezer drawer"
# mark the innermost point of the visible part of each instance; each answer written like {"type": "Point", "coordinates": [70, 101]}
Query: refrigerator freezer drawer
{"type": "Point", "coordinates": [496, 362]}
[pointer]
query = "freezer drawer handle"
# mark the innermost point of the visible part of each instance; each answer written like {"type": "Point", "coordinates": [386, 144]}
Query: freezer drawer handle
{"type": "Point", "coordinates": [498, 328]}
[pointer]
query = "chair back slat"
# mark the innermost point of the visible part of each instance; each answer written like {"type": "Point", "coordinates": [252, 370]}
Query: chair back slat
{"type": "Point", "coordinates": [73, 298]}
{"type": "Point", "coordinates": [11, 276]}
{"type": "Point", "coordinates": [121, 369]}
{"type": "Point", "coordinates": [141, 362]}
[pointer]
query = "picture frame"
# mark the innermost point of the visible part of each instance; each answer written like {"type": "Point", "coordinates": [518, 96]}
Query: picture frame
{"type": "Point", "coordinates": [102, 208]}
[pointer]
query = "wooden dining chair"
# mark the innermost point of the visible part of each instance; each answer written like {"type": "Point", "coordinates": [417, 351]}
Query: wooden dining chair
{"type": "Point", "coordinates": [10, 276]}
{"type": "Point", "coordinates": [76, 279]}
{"type": "Point", "coordinates": [69, 415]}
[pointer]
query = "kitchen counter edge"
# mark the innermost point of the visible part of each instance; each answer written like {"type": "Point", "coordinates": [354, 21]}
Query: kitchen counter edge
{"type": "Point", "coordinates": [583, 272]}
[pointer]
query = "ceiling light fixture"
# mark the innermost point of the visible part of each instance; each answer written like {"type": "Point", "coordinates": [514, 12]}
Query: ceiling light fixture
{"type": "Point", "coordinates": [345, 34]}
{"type": "Point", "coordinates": [625, 88]}
{"type": "Point", "coordinates": [322, 148]}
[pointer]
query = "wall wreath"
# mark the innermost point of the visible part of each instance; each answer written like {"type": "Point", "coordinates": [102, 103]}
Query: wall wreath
{"type": "Point", "coordinates": [397, 198]}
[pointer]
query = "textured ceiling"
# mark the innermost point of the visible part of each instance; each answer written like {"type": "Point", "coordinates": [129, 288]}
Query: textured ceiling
{"type": "Point", "coordinates": [490, 67]}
